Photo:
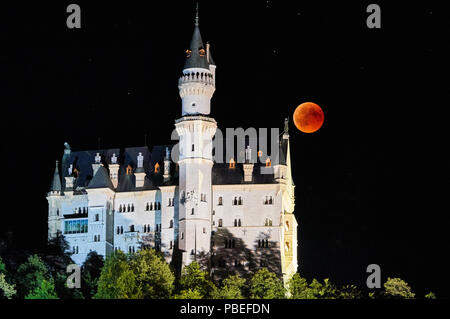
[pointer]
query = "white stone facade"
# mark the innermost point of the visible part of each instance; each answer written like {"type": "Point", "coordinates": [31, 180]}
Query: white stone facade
{"type": "Point", "coordinates": [229, 227]}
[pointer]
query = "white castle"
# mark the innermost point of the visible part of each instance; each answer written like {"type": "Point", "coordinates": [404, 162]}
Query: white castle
{"type": "Point", "coordinates": [231, 217]}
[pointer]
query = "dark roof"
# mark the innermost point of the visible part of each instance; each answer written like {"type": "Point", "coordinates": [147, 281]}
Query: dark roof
{"type": "Point", "coordinates": [83, 160]}
{"type": "Point", "coordinates": [56, 182]}
{"type": "Point", "coordinates": [194, 60]}
{"type": "Point", "coordinates": [222, 174]}
{"type": "Point", "coordinates": [101, 179]}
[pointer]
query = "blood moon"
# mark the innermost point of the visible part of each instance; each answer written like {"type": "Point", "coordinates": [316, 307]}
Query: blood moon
{"type": "Point", "coordinates": [308, 117]}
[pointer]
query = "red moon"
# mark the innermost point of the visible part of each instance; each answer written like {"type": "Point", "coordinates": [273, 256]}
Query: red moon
{"type": "Point", "coordinates": [308, 117]}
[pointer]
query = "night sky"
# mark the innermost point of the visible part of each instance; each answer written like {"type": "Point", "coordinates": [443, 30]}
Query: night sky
{"type": "Point", "coordinates": [371, 184]}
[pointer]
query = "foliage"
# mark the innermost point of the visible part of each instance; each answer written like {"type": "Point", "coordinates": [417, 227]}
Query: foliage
{"type": "Point", "coordinates": [30, 275]}
{"type": "Point", "coordinates": [6, 290]}
{"type": "Point", "coordinates": [300, 289]}
{"type": "Point", "coordinates": [231, 288]}
{"type": "Point", "coordinates": [195, 279]}
{"type": "Point", "coordinates": [46, 290]}
{"type": "Point", "coordinates": [2, 266]}
{"type": "Point", "coordinates": [397, 288]}
{"type": "Point", "coordinates": [265, 285]}
{"type": "Point", "coordinates": [90, 273]}
{"type": "Point", "coordinates": [144, 274]}
{"type": "Point", "coordinates": [430, 295]}
{"type": "Point", "coordinates": [189, 294]}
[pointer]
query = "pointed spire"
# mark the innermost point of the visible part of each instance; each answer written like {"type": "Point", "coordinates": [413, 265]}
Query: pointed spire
{"type": "Point", "coordinates": [56, 183]}
{"type": "Point", "coordinates": [196, 14]}
{"type": "Point", "coordinates": [196, 55]}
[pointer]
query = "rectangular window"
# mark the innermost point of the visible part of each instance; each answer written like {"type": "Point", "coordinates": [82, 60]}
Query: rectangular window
{"type": "Point", "coordinates": [76, 226]}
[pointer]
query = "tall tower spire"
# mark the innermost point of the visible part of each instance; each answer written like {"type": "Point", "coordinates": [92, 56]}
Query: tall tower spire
{"type": "Point", "coordinates": [196, 130]}
{"type": "Point", "coordinates": [196, 14]}
{"type": "Point", "coordinates": [197, 83]}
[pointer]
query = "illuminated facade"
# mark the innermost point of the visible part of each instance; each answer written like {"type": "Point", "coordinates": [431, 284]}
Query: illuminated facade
{"type": "Point", "coordinates": [230, 217]}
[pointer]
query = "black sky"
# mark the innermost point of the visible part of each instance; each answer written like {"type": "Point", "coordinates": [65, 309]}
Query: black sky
{"type": "Point", "coordinates": [368, 183]}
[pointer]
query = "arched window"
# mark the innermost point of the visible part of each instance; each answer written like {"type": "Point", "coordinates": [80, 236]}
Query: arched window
{"type": "Point", "coordinates": [171, 223]}
{"type": "Point", "coordinates": [147, 207]}
{"type": "Point", "coordinates": [182, 235]}
{"type": "Point", "coordinates": [233, 243]}
{"type": "Point", "coordinates": [270, 200]}
{"type": "Point", "coordinates": [118, 230]}
{"type": "Point", "coordinates": [286, 226]}
{"type": "Point", "coordinates": [270, 222]}
{"type": "Point", "coordinates": [128, 208]}
{"type": "Point", "coordinates": [121, 229]}
{"type": "Point", "coordinates": [260, 153]}
{"type": "Point", "coordinates": [170, 244]}
{"type": "Point", "coordinates": [220, 222]}
{"type": "Point", "coordinates": [268, 162]}
{"type": "Point", "coordinates": [79, 210]}
{"type": "Point", "coordinates": [97, 217]}
{"type": "Point", "coordinates": [151, 206]}
{"type": "Point", "coordinates": [204, 230]}
{"type": "Point", "coordinates": [235, 202]}
{"type": "Point", "coordinates": [226, 243]}
{"type": "Point", "coordinates": [192, 211]}
{"type": "Point", "coordinates": [132, 207]}
{"type": "Point", "coordinates": [131, 228]}
{"type": "Point", "coordinates": [240, 200]}
{"type": "Point", "coordinates": [259, 242]}
{"type": "Point", "coordinates": [220, 201]}
{"type": "Point", "coordinates": [157, 168]}
{"type": "Point", "coordinates": [57, 212]}
{"type": "Point", "coordinates": [235, 223]}
{"type": "Point", "coordinates": [192, 252]}
{"type": "Point", "coordinates": [239, 222]}
{"type": "Point", "coordinates": [267, 243]}
{"type": "Point", "coordinates": [145, 228]}
{"type": "Point", "coordinates": [159, 205]}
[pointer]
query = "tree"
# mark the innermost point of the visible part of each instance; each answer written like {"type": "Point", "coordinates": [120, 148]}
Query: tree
{"type": "Point", "coordinates": [299, 288]}
{"type": "Point", "coordinates": [195, 279]}
{"type": "Point", "coordinates": [6, 290]}
{"type": "Point", "coordinates": [144, 274]}
{"type": "Point", "coordinates": [430, 295]}
{"type": "Point", "coordinates": [266, 285]}
{"type": "Point", "coordinates": [397, 288]}
{"type": "Point", "coordinates": [90, 273]}
{"type": "Point", "coordinates": [46, 290]}
{"type": "Point", "coordinates": [231, 288]}
{"type": "Point", "coordinates": [57, 257]}
{"type": "Point", "coordinates": [30, 275]}
{"type": "Point", "coordinates": [189, 294]}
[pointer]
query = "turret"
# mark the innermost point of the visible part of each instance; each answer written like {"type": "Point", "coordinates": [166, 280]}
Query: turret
{"type": "Point", "coordinates": [114, 170]}
{"type": "Point", "coordinates": [197, 82]}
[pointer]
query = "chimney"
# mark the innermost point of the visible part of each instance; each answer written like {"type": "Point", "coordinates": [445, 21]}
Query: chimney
{"type": "Point", "coordinates": [70, 178]}
{"type": "Point", "coordinates": [114, 171]}
{"type": "Point", "coordinates": [248, 165]}
{"type": "Point", "coordinates": [97, 164]}
{"type": "Point", "coordinates": [166, 174]}
{"type": "Point", "coordinates": [139, 172]}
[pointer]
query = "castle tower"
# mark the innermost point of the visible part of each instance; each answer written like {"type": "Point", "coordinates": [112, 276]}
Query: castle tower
{"type": "Point", "coordinates": [54, 204]}
{"type": "Point", "coordinates": [196, 130]}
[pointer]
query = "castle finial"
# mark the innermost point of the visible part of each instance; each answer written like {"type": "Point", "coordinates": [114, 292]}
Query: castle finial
{"type": "Point", "coordinates": [196, 14]}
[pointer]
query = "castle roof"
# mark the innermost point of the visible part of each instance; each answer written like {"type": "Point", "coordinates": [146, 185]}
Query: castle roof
{"type": "Point", "coordinates": [56, 182]}
{"type": "Point", "coordinates": [194, 58]}
{"type": "Point", "coordinates": [101, 179]}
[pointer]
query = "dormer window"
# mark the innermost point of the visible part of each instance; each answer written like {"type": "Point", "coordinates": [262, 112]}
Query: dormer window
{"type": "Point", "coordinates": [260, 153]}
{"type": "Point", "coordinates": [129, 170]}
{"type": "Point", "coordinates": [188, 53]}
{"type": "Point", "coordinates": [232, 163]}
{"type": "Point", "coordinates": [268, 162]}
{"type": "Point", "coordinates": [157, 168]}
{"type": "Point", "coordinates": [202, 52]}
